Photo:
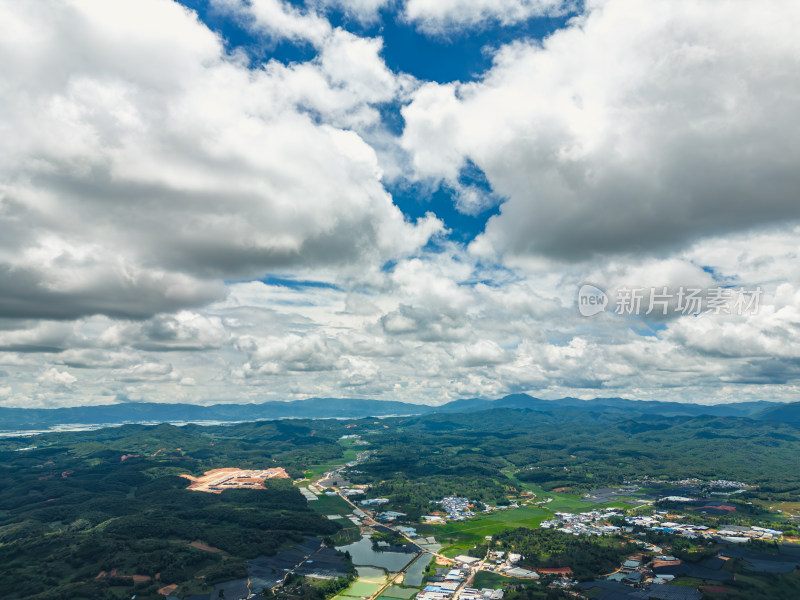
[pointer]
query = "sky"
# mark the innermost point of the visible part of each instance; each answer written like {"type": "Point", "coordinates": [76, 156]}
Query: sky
{"type": "Point", "coordinates": [416, 200]}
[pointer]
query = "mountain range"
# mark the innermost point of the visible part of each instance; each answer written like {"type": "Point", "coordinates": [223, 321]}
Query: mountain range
{"type": "Point", "coordinates": [14, 419]}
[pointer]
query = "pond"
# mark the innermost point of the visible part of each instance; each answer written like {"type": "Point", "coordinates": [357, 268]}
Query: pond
{"type": "Point", "coordinates": [363, 555]}
{"type": "Point", "coordinates": [416, 571]}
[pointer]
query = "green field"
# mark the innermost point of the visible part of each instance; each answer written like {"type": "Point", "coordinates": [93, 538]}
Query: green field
{"type": "Point", "coordinates": [561, 502]}
{"type": "Point", "coordinates": [361, 589]}
{"type": "Point", "coordinates": [485, 579]}
{"type": "Point", "coordinates": [334, 505]}
{"type": "Point", "coordinates": [349, 453]}
{"type": "Point", "coordinates": [461, 535]}
{"type": "Point", "coordinates": [330, 505]}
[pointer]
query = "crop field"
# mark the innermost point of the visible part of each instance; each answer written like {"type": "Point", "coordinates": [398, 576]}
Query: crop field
{"type": "Point", "coordinates": [563, 502]}
{"type": "Point", "coordinates": [331, 505]}
{"type": "Point", "coordinates": [349, 453]}
{"type": "Point", "coordinates": [485, 579]}
{"type": "Point", "coordinates": [788, 507]}
{"type": "Point", "coordinates": [462, 535]}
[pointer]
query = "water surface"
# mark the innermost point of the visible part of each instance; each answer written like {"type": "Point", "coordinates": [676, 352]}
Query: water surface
{"type": "Point", "coordinates": [363, 555]}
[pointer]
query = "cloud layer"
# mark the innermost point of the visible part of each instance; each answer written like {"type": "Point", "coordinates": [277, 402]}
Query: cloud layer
{"type": "Point", "coordinates": [144, 165]}
{"type": "Point", "coordinates": [182, 222]}
{"type": "Point", "coordinates": [636, 127]}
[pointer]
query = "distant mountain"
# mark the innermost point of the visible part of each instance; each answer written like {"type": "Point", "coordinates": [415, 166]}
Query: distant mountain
{"type": "Point", "coordinates": [139, 412]}
{"type": "Point", "coordinates": [13, 419]}
{"type": "Point", "coordinates": [787, 413]}
{"type": "Point", "coordinates": [611, 405]}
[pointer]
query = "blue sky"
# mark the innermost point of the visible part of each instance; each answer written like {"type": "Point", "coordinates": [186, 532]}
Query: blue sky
{"type": "Point", "coordinates": [265, 200]}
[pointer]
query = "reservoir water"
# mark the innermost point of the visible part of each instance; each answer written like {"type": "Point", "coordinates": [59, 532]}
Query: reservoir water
{"type": "Point", "coordinates": [416, 571]}
{"type": "Point", "coordinates": [363, 555]}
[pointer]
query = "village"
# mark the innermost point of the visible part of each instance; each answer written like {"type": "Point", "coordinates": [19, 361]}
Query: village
{"type": "Point", "coordinates": [596, 522]}
{"type": "Point", "coordinates": [650, 571]}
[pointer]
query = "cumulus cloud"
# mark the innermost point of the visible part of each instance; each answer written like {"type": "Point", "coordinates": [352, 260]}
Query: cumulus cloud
{"type": "Point", "coordinates": [143, 165]}
{"type": "Point", "coordinates": [39, 337]}
{"type": "Point", "coordinates": [57, 378]}
{"type": "Point", "coordinates": [148, 372]}
{"type": "Point", "coordinates": [636, 127]}
{"type": "Point", "coordinates": [483, 352]}
{"type": "Point", "coordinates": [278, 19]}
{"type": "Point", "coordinates": [293, 353]}
{"type": "Point", "coordinates": [344, 83]}
{"type": "Point", "coordinates": [442, 16]}
{"type": "Point", "coordinates": [365, 11]}
{"type": "Point", "coordinates": [97, 358]}
{"type": "Point", "coordinates": [182, 331]}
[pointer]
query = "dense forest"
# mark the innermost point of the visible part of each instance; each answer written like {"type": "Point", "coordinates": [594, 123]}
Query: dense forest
{"type": "Point", "coordinates": [421, 459]}
{"type": "Point", "coordinates": [84, 511]}
{"type": "Point", "coordinates": [548, 548]}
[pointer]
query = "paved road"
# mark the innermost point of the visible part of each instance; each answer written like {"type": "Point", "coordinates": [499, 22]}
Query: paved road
{"type": "Point", "coordinates": [369, 521]}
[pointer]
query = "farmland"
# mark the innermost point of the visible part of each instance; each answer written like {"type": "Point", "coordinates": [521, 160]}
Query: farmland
{"type": "Point", "coordinates": [459, 536]}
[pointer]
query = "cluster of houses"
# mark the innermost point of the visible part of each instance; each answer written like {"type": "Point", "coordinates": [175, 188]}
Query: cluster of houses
{"type": "Point", "coordinates": [389, 516]}
{"type": "Point", "coordinates": [715, 483]}
{"type": "Point", "coordinates": [446, 582]}
{"type": "Point", "coordinates": [356, 490]}
{"type": "Point", "coordinates": [374, 501]}
{"type": "Point", "coordinates": [484, 594]}
{"type": "Point", "coordinates": [739, 535]}
{"type": "Point", "coordinates": [500, 562]}
{"type": "Point", "coordinates": [735, 534]}
{"type": "Point", "coordinates": [356, 439]}
{"type": "Point", "coordinates": [635, 571]}
{"type": "Point", "coordinates": [457, 508]}
{"type": "Point", "coordinates": [693, 481]}
{"type": "Point", "coordinates": [724, 483]}
{"type": "Point", "coordinates": [659, 521]}
{"type": "Point", "coordinates": [593, 522]}
{"type": "Point", "coordinates": [443, 585]}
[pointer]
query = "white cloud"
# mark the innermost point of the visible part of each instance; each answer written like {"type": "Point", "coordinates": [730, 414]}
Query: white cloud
{"type": "Point", "coordinates": [293, 353]}
{"type": "Point", "coordinates": [441, 16]}
{"type": "Point", "coordinates": [148, 372]}
{"type": "Point", "coordinates": [142, 165]}
{"type": "Point", "coordinates": [435, 328]}
{"type": "Point", "coordinates": [97, 358]}
{"type": "Point", "coordinates": [182, 331]}
{"type": "Point", "coordinates": [57, 378]}
{"type": "Point", "coordinates": [366, 11]}
{"type": "Point", "coordinates": [637, 127]}
{"type": "Point", "coordinates": [278, 19]}
{"type": "Point", "coordinates": [482, 352]}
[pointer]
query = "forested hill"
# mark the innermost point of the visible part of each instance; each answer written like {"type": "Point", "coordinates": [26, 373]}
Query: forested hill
{"type": "Point", "coordinates": [578, 450]}
{"type": "Point", "coordinates": [148, 412]}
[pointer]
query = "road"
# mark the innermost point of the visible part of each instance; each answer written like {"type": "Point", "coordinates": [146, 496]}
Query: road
{"type": "Point", "coordinates": [369, 521]}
